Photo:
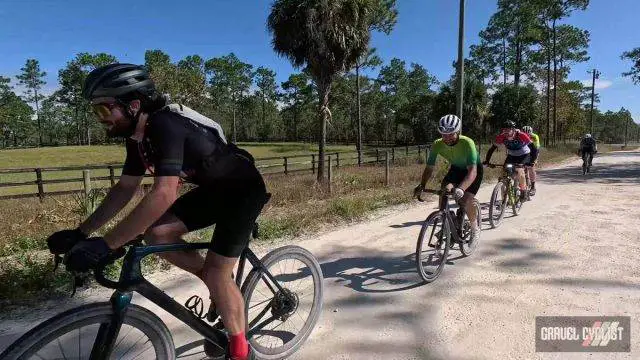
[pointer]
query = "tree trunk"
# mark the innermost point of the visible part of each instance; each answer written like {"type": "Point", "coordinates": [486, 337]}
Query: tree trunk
{"type": "Point", "coordinates": [516, 72]}
{"type": "Point", "coordinates": [504, 61]}
{"type": "Point", "coordinates": [264, 116]}
{"type": "Point", "coordinates": [35, 91]}
{"type": "Point", "coordinates": [359, 144]}
{"type": "Point", "coordinates": [295, 125]}
{"type": "Point", "coordinates": [234, 123]}
{"type": "Point", "coordinates": [324, 88]}
{"type": "Point", "coordinates": [547, 139]}
{"type": "Point", "coordinates": [78, 128]}
{"type": "Point", "coordinates": [555, 85]}
{"type": "Point", "coordinates": [86, 122]}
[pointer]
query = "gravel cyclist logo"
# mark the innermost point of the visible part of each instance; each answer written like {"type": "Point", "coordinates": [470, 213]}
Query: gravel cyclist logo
{"type": "Point", "coordinates": [583, 334]}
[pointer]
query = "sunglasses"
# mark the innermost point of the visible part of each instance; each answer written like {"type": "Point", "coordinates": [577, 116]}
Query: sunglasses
{"type": "Point", "coordinates": [103, 111]}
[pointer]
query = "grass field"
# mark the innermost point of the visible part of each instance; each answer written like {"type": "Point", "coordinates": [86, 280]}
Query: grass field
{"type": "Point", "coordinates": [111, 154]}
{"type": "Point", "coordinates": [107, 154]}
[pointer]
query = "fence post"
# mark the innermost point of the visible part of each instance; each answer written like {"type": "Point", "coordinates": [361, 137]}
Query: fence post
{"type": "Point", "coordinates": [406, 150]}
{"type": "Point", "coordinates": [329, 173]}
{"type": "Point", "coordinates": [87, 190]}
{"type": "Point", "coordinates": [386, 168]}
{"type": "Point", "coordinates": [86, 177]}
{"type": "Point", "coordinates": [337, 160]}
{"type": "Point", "coordinates": [39, 182]}
{"type": "Point", "coordinates": [377, 156]}
{"type": "Point", "coordinates": [426, 154]}
{"type": "Point", "coordinates": [313, 163]}
{"type": "Point", "coordinates": [419, 153]}
{"type": "Point", "coordinates": [393, 155]}
{"type": "Point", "coordinates": [112, 175]}
{"type": "Point", "coordinates": [286, 166]}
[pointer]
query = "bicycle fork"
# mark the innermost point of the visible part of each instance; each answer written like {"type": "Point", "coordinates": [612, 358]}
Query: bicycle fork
{"type": "Point", "coordinates": [108, 332]}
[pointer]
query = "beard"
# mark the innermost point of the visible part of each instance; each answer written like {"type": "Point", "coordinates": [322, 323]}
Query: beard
{"type": "Point", "coordinates": [121, 128]}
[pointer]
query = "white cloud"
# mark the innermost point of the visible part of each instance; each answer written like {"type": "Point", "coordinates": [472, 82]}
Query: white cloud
{"type": "Point", "coordinates": [600, 84]}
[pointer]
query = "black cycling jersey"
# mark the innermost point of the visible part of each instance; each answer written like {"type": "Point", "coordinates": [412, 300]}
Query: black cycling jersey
{"type": "Point", "coordinates": [588, 143]}
{"type": "Point", "coordinates": [174, 145]}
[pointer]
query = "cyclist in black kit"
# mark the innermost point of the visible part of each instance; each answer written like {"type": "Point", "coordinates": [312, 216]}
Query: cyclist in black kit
{"type": "Point", "coordinates": [174, 148]}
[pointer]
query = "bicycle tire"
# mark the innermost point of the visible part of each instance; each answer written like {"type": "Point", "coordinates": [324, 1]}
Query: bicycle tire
{"type": "Point", "coordinates": [516, 205]}
{"type": "Point", "coordinates": [494, 220]}
{"type": "Point", "coordinates": [249, 285]}
{"type": "Point", "coordinates": [469, 248]}
{"type": "Point", "coordinates": [431, 221]}
{"type": "Point", "coordinates": [98, 313]}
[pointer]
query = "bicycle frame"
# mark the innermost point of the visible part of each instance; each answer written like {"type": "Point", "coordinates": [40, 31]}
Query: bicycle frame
{"type": "Point", "coordinates": [131, 280]}
{"type": "Point", "coordinates": [510, 180]}
{"type": "Point", "coordinates": [451, 223]}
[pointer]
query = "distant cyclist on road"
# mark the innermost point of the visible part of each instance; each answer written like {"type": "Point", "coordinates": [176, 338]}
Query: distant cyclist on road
{"type": "Point", "coordinates": [465, 172]}
{"type": "Point", "coordinates": [532, 170]}
{"type": "Point", "coordinates": [588, 147]}
{"type": "Point", "coordinates": [520, 150]}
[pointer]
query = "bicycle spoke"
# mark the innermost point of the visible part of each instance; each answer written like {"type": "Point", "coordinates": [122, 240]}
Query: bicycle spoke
{"type": "Point", "coordinates": [131, 347]}
{"type": "Point", "coordinates": [61, 350]}
{"type": "Point", "coordinates": [123, 337]}
{"type": "Point", "coordinates": [260, 303]}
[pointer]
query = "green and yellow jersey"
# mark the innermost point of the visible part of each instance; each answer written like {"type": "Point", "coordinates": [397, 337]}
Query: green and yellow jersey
{"type": "Point", "coordinates": [461, 155]}
{"type": "Point", "coordinates": [535, 139]}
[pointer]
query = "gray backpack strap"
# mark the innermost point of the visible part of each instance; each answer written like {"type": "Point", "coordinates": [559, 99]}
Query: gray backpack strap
{"type": "Point", "coordinates": [198, 118]}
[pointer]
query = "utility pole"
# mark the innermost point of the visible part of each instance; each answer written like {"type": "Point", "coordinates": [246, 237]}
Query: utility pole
{"type": "Point", "coordinates": [596, 75]}
{"type": "Point", "coordinates": [460, 97]}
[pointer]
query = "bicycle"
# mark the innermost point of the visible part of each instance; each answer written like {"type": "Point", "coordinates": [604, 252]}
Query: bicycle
{"type": "Point", "coordinates": [441, 222]}
{"type": "Point", "coordinates": [109, 320]}
{"type": "Point", "coordinates": [507, 185]}
{"type": "Point", "coordinates": [587, 158]}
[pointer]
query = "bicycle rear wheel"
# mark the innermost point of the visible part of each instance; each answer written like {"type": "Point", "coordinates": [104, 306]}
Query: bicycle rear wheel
{"type": "Point", "coordinates": [72, 334]}
{"type": "Point", "coordinates": [432, 247]}
{"type": "Point", "coordinates": [294, 310]}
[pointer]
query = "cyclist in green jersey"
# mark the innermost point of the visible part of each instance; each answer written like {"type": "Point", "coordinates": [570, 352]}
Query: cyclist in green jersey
{"type": "Point", "coordinates": [465, 172]}
{"type": "Point", "coordinates": [532, 169]}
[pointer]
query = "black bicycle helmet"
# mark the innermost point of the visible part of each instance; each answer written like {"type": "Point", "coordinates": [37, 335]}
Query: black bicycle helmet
{"type": "Point", "coordinates": [509, 125]}
{"type": "Point", "coordinates": [116, 80]}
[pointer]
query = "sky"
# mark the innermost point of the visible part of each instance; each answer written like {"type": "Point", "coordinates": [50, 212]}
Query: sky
{"type": "Point", "coordinates": [53, 31]}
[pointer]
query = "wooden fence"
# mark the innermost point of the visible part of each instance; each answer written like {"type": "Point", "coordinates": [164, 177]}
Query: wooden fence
{"type": "Point", "coordinates": [270, 165]}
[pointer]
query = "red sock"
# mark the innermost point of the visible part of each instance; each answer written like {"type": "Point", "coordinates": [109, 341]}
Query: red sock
{"type": "Point", "coordinates": [238, 347]}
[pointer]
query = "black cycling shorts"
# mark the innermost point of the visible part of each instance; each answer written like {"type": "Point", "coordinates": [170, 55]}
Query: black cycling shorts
{"type": "Point", "coordinates": [522, 159]}
{"type": "Point", "coordinates": [456, 175]}
{"type": "Point", "coordinates": [233, 210]}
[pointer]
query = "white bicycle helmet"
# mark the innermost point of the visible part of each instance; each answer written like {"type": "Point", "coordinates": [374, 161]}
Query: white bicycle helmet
{"type": "Point", "coordinates": [449, 124]}
{"type": "Point", "coordinates": [587, 136]}
{"type": "Point", "coordinates": [528, 129]}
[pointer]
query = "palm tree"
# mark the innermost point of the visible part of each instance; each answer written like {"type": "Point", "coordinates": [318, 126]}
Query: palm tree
{"type": "Point", "coordinates": [326, 36]}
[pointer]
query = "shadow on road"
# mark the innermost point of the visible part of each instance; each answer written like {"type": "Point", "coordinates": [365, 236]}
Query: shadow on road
{"type": "Point", "coordinates": [375, 273]}
{"type": "Point", "coordinates": [517, 254]}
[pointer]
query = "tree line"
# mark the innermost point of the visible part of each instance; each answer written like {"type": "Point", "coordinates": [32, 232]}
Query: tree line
{"type": "Point", "coordinates": [519, 71]}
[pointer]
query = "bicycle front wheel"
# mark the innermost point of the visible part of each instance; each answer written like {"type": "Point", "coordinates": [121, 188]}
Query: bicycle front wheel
{"type": "Point", "coordinates": [279, 321]}
{"type": "Point", "coordinates": [497, 204]}
{"type": "Point", "coordinates": [432, 248]}
{"type": "Point", "coordinates": [468, 246]}
{"type": "Point", "coordinates": [73, 333]}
